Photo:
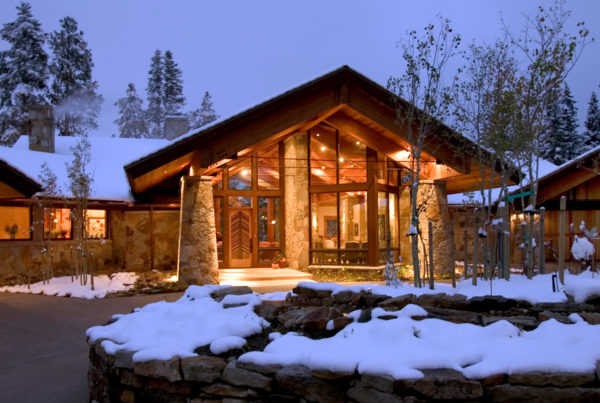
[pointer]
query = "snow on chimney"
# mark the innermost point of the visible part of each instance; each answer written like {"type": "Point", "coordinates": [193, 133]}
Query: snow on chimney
{"type": "Point", "coordinates": [41, 137]}
{"type": "Point", "coordinates": [175, 126]}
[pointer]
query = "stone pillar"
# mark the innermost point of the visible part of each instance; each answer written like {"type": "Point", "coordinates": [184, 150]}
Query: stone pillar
{"type": "Point", "coordinates": [296, 200]}
{"type": "Point", "coordinates": [197, 261]}
{"type": "Point", "coordinates": [404, 224]}
{"type": "Point", "coordinates": [433, 200]}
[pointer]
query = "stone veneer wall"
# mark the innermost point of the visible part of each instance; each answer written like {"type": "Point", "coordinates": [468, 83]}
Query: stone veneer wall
{"type": "Point", "coordinates": [198, 262]}
{"type": "Point", "coordinates": [127, 249]}
{"type": "Point", "coordinates": [296, 200]}
{"type": "Point", "coordinates": [434, 201]}
{"type": "Point", "coordinates": [206, 377]}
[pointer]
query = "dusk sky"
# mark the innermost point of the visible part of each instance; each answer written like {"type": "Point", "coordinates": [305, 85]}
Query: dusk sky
{"type": "Point", "coordinates": [244, 52]}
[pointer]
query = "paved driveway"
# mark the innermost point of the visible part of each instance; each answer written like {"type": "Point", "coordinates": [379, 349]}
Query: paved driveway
{"type": "Point", "coordinates": [43, 351]}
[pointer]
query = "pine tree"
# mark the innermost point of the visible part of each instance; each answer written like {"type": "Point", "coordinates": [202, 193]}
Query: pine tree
{"type": "Point", "coordinates": [562, 143]}
{"type": "Point", "coordinates": [73, 91]}
{"type": "Point", "coordinates": [173, 99]}
{"type": "Point", "coordinates": [23, 73]}
{"type": "Point", "coordinates": [203, 116]}
{"type": "Point", "coordinates": [592, 124]}
{"type": "Point", "coordinates": [131, 120]}
{"type": "Point", "coordinates": [155, 114]}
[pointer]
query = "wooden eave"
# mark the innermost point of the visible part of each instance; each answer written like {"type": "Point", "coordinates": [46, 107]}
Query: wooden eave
{"type": "Point", "coordinates": [341, 94]}
{"type": "Point", "coordinates": [15, 184]}
{"type": "Point", "coordinates": [567, 177]}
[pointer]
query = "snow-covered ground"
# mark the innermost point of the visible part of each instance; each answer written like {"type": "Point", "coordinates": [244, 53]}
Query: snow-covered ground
{"type": "Point", "coordinates": [396, 347]}
{"type": "Point", "coordinates": [63, 286]}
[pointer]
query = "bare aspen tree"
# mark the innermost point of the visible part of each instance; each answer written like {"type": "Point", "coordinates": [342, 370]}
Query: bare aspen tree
{"type": "Point", "coordinates": [80, 184]}
{"type": "Point", "coordinates": [550, 52]}
{"type": "Point", "coordinates": [422, 103]}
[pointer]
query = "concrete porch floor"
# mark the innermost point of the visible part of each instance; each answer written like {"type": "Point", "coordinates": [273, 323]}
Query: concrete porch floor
{"type": "Point", "coordinates": [263, 279]}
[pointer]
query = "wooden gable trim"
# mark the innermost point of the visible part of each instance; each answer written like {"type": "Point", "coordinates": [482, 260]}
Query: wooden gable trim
{"type": "Point", "coordinates": [549, 189]}
{"type": "Point", "coordinates": [14, 183]}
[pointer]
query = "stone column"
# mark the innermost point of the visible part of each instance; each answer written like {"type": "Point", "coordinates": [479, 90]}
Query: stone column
{"type": "Point", "coordinates": [404, 224]}
{"type": "Point", "coordinates": [197, 261]}
{"type": "Point", "coordinates": [296, 200]}
{"type": "Point", "coordinates": [433, 200]}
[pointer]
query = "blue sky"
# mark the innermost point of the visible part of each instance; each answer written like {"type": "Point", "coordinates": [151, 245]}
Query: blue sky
{"type": "Point", "coordinates": [246, 51]}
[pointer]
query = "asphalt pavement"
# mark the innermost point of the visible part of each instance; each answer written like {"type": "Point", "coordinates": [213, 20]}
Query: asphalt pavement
{"type": "Point", "coordinates": [43, 348]}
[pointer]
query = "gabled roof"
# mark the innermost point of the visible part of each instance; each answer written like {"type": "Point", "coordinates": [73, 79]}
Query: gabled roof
{"type": "Point", "coordinates": [14, 183]}
{"type": "Point", "coordinates": [334, 98]}
{"type": "Point", "coordinates": [569, 175]}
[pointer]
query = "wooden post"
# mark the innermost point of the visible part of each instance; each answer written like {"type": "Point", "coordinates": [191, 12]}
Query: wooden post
{"type": "Point", "coordinates": [475, 246]}
{"type": "Point", "coordinates": [501, 214]}
{"type": "Point", "coordinates": [431, 271]}
{"type": "Point", "coordinates": [506, 244]}
{"type": "Point", "coordinates": [542, 251]}
{"type": "Point", "coordinates": [466, 263]}
{"type": "Point", "coordinates": [562, 226]}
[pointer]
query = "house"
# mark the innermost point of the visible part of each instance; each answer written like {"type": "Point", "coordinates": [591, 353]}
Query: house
{"type": "Point", "coordinates": [318, 174]}
{"type": "Point", "coordinates": [124, 235]}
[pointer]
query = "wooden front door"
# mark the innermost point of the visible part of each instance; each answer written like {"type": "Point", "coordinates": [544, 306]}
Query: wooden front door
{"type": "Point", "coordinates": [240, 251]}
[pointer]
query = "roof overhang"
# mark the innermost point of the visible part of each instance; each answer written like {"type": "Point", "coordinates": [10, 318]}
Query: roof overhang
{"type": "Point", "coordinates": [15, 184]}
{"type": "Point", "coordinates": [343, 99]}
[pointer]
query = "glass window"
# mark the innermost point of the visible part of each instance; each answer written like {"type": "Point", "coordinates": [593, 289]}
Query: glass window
{"type": "Point", "coordinates": [392, 173]}
{"type": "Point", "coordinates": [323, 154]}
{"type": "Point", "coordinates": [269, 229]}
{"type": "Point", "coordinates": [268, 168]}
{"type": "Point", "coordinates": [240, 201]}
{"type": "Point", "coordinates": [218, 201]}
{"type": "Point", "coordinates": [393, 220]}
{"type": "Point", "coordinates": [15, 222]}
{"type": "Point", "coordinates": [353, 228]}
{"type": "Point", "coordinates": [382, 218]}
{"type": "Point", "coordinates": [96, 224]}
{"type": "Point", "coordinates": [324, 228]}
{"type": "Point", "coordinates": [352, 160]}
{"type": "Point", "coordinates": [240, 174]}
{"type": "Point", "coordinates": [57, 223]}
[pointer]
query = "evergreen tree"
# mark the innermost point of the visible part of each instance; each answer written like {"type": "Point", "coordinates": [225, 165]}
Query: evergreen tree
{"type": "Point", "coordinates": [562, 143]}
{"type": "Point", "coordinates": [73, 92]}
{"type": "Point", "coordinates": [155, 114]}
{"type": "Point", "coordinates": [131, 115]}
{"type": "Point", "coordinates": [592, 124]}
{"type": "Point", "coordinates": [23, 73]}
{"type": "Point", "coordinates": [203, 116]}
{"type": "Point", "coordinates": [173, 99]}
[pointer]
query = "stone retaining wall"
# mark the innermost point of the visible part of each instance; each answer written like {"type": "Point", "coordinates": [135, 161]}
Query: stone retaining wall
{"type": "Point", "coordinates": [224, 378]}
{"type": "Point", "coordinates": [210, 378]}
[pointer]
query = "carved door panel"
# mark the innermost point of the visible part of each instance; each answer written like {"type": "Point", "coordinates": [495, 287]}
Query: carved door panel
{"type": "Point", "coordinates": [241, 237]}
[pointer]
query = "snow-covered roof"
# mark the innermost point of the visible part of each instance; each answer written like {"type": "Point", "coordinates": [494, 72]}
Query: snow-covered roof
{"type": "Point", "coordinates": [545, 168]}
{"type": "Point", "coordinates": [109, 155]}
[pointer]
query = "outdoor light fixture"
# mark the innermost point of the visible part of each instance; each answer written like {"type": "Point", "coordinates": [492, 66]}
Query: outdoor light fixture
{"type": "Point", "coordinates": [322, 148]}
{"type": "Point", "coordinates": [358, 143]}
{"type": "Point", "coordinates": [341, 159]}
{"type": "Point", "coordinates": [318, 134]}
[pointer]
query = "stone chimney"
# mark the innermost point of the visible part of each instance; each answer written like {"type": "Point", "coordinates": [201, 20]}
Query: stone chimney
{"type": "Point", "coordinates": [175, 126]}
{"type": "Point", "coordinates": [41, 120]}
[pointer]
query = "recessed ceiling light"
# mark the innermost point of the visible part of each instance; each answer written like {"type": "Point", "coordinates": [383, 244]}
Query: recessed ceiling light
{"type": "Point", "coordinates": [341, 159]}
{"type": "Point", "coordinates": [358, 143]}
{"type": "Point", "coordinates": [322, 148]}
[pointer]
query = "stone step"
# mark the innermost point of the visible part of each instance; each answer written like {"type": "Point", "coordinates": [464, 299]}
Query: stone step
{"type": "Point", "coordinates": [262, 274]}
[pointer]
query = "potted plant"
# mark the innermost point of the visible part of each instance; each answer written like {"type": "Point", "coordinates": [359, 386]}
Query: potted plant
{"type": "Point", "coordinates": [279, 261]}
{"type": "Point", "coordinates": [11, 230]}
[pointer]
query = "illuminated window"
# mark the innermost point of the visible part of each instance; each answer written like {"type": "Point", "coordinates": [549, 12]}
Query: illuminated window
{"type": "Point", "coordinates": [57, 223]}
{"type": "Point", "coordinates": [268, 168]}
{"type": "Point", "coordinates": [96, 224]}
{"type": "Point", "coordinates": [240, 175]}
{"type": "Point", "coordinates": [15, 222]}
